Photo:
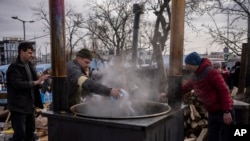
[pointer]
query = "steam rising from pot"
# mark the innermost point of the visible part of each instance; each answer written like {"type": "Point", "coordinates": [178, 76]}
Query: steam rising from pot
{"type": "Point", "coordinates": [138, 87]}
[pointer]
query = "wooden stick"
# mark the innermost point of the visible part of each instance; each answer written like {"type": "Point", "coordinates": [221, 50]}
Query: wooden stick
{"type": "Point", "coordinates": [202, 135]}
{"type": "Point", "coordinates": [6, 121]}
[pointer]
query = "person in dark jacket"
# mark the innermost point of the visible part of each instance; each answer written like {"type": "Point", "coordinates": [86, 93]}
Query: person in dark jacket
{"type": "Point", "coordinates": [79, 84]}
{"type": "Point", "coordinates": [223, 71]}
{"type": "Point", "coordinates": [23, 93]}
{"type": "Point", "coordinates": [47, 84]}
{"type": "Point", "coordinates": [213, 92]}
{"type": "Point", "coordinates": [235, 74]}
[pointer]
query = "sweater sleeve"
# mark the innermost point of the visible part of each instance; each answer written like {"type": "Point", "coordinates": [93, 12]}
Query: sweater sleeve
{"type": "Point", "coordinates": [95, 87]}
{"type": "Point", "coordinates": [187, 87]}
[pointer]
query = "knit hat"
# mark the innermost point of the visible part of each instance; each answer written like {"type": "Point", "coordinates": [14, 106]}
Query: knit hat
{"type": "Point", "coordinates": [193, 59]}
{"type": "Point", "coordinates": [84, 53]}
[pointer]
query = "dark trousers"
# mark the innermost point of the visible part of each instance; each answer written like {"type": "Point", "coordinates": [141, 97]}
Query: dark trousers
{"type": "Point", "coordinates": [217, 129]}
{"type": "Point", "coordinates": [23, 126]}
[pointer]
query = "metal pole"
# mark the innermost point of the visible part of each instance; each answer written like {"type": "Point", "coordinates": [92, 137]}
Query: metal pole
{"type": "Point", "coordinates": [58, 55]}
{"type": "Point", "coordinates": [248, 51]}
{"type": "Point", "coordinates": [23, 21]}
{"type": "Point", "coordinates": [46, 54]}
{"type": "Point", "coordinates": [243, 70]}
{"type": "Point", "coordinates": [227, 25]}
{"type": "Point", "coordinates": [248, 62]}
{"type": "Point", "coordinates": [23, 30]}
{"type": "Point", "coordinates": [176, 53]}
{"type": "Point", "coordinates": [137, 9]}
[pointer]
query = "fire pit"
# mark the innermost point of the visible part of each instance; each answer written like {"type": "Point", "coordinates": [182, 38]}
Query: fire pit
{"type": "Point", "coordinates": [109, 109]}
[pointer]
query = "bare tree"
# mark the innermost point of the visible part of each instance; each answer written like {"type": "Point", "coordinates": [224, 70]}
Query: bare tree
{"type": "Point", "coordinates": [161, 32]}
{"type": "Point", "coordinates": [74, 30]}
{"type": "Point", "coordinates": [111, 24]}
{"type": "Point", "coordinates": [162, 11]}
{"type": "Point", "coordinates": [73, 22]}
{"type": "Point", "coordinates": [232, 34]}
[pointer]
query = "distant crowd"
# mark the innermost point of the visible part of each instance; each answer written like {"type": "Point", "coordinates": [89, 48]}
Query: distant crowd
{"type": "Point", "coordinates": [230, 75]}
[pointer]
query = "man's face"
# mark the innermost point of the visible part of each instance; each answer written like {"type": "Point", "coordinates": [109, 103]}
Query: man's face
{"type": "Point", "coordinates": [26, 56]}
{"type": "Point", "coordinates": [84, 62]}
{"type": "Point", "coordinates": [191, 68]}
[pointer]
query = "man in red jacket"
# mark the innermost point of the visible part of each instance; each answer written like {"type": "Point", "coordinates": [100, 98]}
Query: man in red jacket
{"type": "Point", "coordinates": [213, 92]}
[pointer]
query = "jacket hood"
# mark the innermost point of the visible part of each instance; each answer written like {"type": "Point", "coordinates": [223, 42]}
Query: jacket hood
{"type": "Point", "coordinates": [204, 63]}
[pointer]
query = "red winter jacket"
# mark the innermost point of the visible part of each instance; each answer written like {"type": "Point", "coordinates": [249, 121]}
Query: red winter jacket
{"type": "Point", "coordinates": [210, 88]}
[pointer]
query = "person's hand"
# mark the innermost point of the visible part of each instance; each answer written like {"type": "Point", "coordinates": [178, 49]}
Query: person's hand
{"type": "Point", "coordinates": [115, 92]}
{"type": "Point", "coordinates": [44, 77]}
{"type": "Point", "coordinates": [227, 118]}
{"type": "Point", "coordinates": [41, 79]}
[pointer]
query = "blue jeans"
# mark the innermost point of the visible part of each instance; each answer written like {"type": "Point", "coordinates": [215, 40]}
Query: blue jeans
{"type": "Point", "coordinates": [217, 129]}
{"type": "Point", "coordinates": [23, 126]}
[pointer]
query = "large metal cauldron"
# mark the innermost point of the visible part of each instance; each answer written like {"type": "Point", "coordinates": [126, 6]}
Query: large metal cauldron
{"type": "Point", "coordinates": [108, 109]}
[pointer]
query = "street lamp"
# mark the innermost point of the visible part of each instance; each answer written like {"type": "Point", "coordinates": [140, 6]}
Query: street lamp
{"type": "Point", "coordinates": [23, 21]}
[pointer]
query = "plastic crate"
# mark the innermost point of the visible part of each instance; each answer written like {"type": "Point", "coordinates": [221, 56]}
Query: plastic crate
{"type": "Point", "coordinates": [46, 97]}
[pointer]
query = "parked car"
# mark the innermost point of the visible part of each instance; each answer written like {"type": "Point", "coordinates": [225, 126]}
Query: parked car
{"type": "Point", "coordinates": [40, 68]}
{"type": "Point", "coordinates": [3, 69]}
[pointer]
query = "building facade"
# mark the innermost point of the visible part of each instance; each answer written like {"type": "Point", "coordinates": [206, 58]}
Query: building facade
{"type": "Point", "coordinates": [9, 49]}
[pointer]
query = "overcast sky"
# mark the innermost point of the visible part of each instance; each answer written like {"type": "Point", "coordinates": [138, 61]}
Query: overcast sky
{"type": "Point", "coordinates": [10, 27]}
{"type": "Point", "coordinates": [22, 8]}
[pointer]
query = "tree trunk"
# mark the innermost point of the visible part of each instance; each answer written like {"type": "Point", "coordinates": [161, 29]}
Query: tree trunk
{"type": "Point", "coordinates": [161, 73]}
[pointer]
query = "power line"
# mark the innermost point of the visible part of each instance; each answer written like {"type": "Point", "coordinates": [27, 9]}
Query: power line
{"type": "Point", "coordinates": [38, 37]}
